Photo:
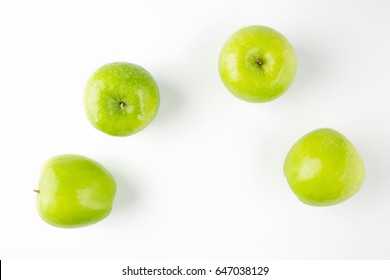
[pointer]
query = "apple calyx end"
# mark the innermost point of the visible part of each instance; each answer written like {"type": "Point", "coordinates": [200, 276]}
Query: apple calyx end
{"type": "Point", "coordinates": [122, 105]}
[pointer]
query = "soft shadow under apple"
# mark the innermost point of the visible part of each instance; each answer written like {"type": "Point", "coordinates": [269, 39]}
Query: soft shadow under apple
{"type": "Point", "coordinates": [126, 194]}
{"type": "Point", "coordinates": [170, 101]}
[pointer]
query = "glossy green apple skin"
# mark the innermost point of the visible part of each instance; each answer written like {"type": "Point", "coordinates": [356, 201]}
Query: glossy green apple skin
{"type": "Point", "coordinates": [323, 168]}
{"type": "Point", "coordinates": [121, 99]}
{"type": "Point", "coordinates": [74, 191]}
{"type": "Point", "coordinates": [257, 64]}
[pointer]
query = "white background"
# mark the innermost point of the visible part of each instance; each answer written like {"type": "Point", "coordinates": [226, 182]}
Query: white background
{"type": "Point", "coordinates": [205, 179]}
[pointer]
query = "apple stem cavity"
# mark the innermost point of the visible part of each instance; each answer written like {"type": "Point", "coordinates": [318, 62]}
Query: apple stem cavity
{"type": "Point", "coordinates": [259, 61]}
{"type": "Point", "coordinates": [122, 105]}
{"type": "Point", "coordinates": [37, 191]}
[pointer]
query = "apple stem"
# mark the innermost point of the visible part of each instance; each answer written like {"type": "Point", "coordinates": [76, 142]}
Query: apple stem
{"type": "Point", "coordinates": [37, 191]}
{"type": "Point", "coordinates": [122, 105]}
{"type": "Point", "coordinates": [259, 61]}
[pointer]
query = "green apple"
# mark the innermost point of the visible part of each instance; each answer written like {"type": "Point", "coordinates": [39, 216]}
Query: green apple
{"type": "Point", "coordinates": [121, 98]}
{"type": "Point", "coordinates": [323, 168]}
{"type": "Point", "coordinates": [257, 64]}
{"type": "Point", "coordinates": [74, 191]}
